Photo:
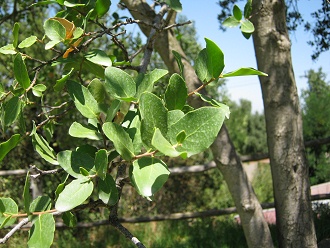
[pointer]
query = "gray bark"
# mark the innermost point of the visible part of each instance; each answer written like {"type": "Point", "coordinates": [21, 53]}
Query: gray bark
{"type": "Point", "coordinates": [255, 227]}
{"type": "Point", "coordinates": [284, 126]}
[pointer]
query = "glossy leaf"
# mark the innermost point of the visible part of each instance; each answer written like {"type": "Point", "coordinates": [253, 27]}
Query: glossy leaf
{"type": "Point", "coordinates": [83, 99]}
{"type": "Point", "coordinates": [26, 194]}
{"type": "Point", "coordinates": [98, 57]}
{"type": "Point", "coordinates": [71, 5]}
{"type": "Point", "coordinates": [120, 139]}
{"type": "Point", "coordinates": [15, 34]}
{"type": "Point", "coordinates": [148, 175]}
{"type": "Point", "coordinates": [176, 92]}
{"type": "Point", "coordinates": [42, 147]}
{"type": "Point", "coordinates": [20, 72]}
{"type": "Point", "coordinates": [237, 13]}
{"type": "Point", "coordinates": [27, 42]}
{"type": "Point", "coordinates": [174, 4]}
{"type": "Point", "coordinates": [215, 58]}
{"type": "Point", "coordinates": [146, 82]}
{"type": "Point", "coordinates": [8, 145]}
{"type": "Point", "coordinates": [231, 22]}
{"type": "Point", "coordinates": [12, 109]}
{"type": "Point", "coordinates": [83, 131]}
{"type": "Point", "coordinates": [101, 163]}
{"type": "Point", "coordinates": [51, 44]}
{"type": "Point", "coordinates": [178, 59]}
{"type": "Point", "coordinates": [74, 194]}
{"type": "Point", "coordinates": [8, 49]}
{"type": "Point", "coordinates": [60, 83]}
{"type": "Point", "coordinates": [248, 71]}
{"type": "Point", "coordinates": [41, 233]}
{"type": "Point", "coordinates": [153, 114]}
{"type": "Point", "coordinates": [247, 26]}
{"type": "Point", "coordinates": [54, 30]}
{"type": "Point", "coordinates": [108, 192]}
{"type": "Point", "coordinates": [7, 207]}
{"type": "Point", "coordinates": [119, 84]}
{"type": "Point", "coordinates": [71, 161]}
{"type": "Point", "coordinates": [201, 127]}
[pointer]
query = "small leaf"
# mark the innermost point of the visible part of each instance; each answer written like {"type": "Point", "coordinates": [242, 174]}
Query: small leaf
{"type": "Point", "coordinates": [98, 57]}
{"type": "Point", "coordinates": [83, 99]}
{"type": "Point", "coordinates": [38, 89]}
{"type": "Point", "coordinates": [69, 219]}
{"type": "Point", "coordinates": [120, 139]}
{"type": "Point", "coordinates": [60, 187]}
{"type": "Point", "coordinates": [8, 145]}
{"type": "Point", "coordinates": [176, 92]}
{"type": "Point", "coordinates": [71, 5]}
{"type": "Point", "coordinates": [237, 13]}
{"type": "Point", "coordinates": [178, 59]}
{"type": "Point", "coordinates": [26, 194]}
{"type": "Point", "coordinates": [174, 4]}
{"type": "Point", "coordinates": [101, 163]}
{"type": "Point", "coordinates": [82, 131]}
{"type": "Point", "coordinates": [83, 171]}
{"type": "Point", "coordinates": [102, 7]}
{"type": "Point", "coordinates": [215, 103]}
{"type": "Point", "coordinates": [119, 84]}
{"type": "Point", "coordinates": [74, 194]}
{"type": "Point", "coordinates": [77, 33]}
{"type": "Point", "coordinates": [41, 233]}
{"type": "Point", "coordinates": [108, 192]}
{"type": "Point", "coordinates": [51, 44]}
{"type": "Point", "coordinates": [27, 42]}
{"type": "Point", "coordinates": [54, 30]}
{"type": "Point", "coordinates": [148, 175]}
{"type": "Point", "coordinates": [248, 71]}
{"type": "Point", "coordinates": [71, 161]}
{"type": "Point", "coordinates": [15, 34]}
{"type": "Point", "coordinates": [248, 9]}
{"type": "Point", "coordinates": [61, 82]}
{"type": "Point", "coordinates": [7, 206]}
{"type": "Point", "coordinates": [231, 22]}
{"type": "Point", "coordinates": [97, 70]}
{"type": "Point", "coordinates": [8, 49]}
{"type": "Point", "coordinates": [247, 35]}
{"type": "Point", "coordinates": [20, 72]}
{"type": "Point", "coordinates": [181, 137]}
{"type": "Point", "coordinates": [247, 26]}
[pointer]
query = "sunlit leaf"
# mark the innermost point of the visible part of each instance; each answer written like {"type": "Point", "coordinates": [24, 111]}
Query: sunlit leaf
{"type": "Point", "coordinates": [60, 83]}
{"type": "Point", "coordinates": [27, 42]}
{"type": "Point", "coordinates": [41, 233]}
{"type": "Point", "coordinates": [102, 7]}
{"type": "Point", "coordinates": [178, 59]}
{"type": "Point", "coordinates": [247, 26]}
{"type": "Point", "coordinates": [98, 57]}
{"type": "Point", "coordinates": [7, 207]}
{"type": "Point", "coordinates": [40, 204]}
{"type": "Point", "coordinates": [42, 147]}
{"type": "Point", "coordinates": [83, 131]}
{"type": "Point", "coordinates": [215, 58]}
{"type": "Point", "coordinates": [247, 71]}
{"type": "Point", "coordinates": [231, 22]}
{"type": "Point", "coordinates": [54, 30]}
{"type": "Point", "coordinates": [8, 49]}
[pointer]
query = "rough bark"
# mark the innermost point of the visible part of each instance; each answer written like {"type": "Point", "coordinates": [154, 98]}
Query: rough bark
{"type": "Point", "coordinates": [255, 227]}
{"type": "Point", "coordinates": [284, 125]}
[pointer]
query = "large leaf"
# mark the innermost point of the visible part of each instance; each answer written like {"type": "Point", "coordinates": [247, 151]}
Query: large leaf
{"type": "Point", "coordinates": [9, 207]}
{"type": "Point", "coordinates": [82, 131]}
{"type": "Point", "coordinates": [83, 99]}
{"type": "Point", "coordinates": [244, 72]}
{"type": "Point", "coordinates": [173, 116]}
{"type": "Point", "coordinates": [101, 163]}
{"type": "Point", "coordinates": [71, 161]}
{"type": "Point", "coordinates": [12, 109]}
{"type": "Point", "coordinates": [41, 233]}
{"type": "Point", "coordinates": [148, 175]}
{"type": "Point", "coordinates": [74, 194]}
{"type": "Point", "coordinates": [176, 93]}
{"type": "Point", "coordinates": [215, 58]}
{"type": "Point", "coordinates": [201, 127]}
{"type": "Point", "coordinates": [120, 139]}
{"type": "Point", "coordinates": [153, 114]}
{"type": "Point", "coordinates": [119, 84]}
{"type": "Point", "coordinates": [8, 145]}
{"type": "Point", "coordinates": [20, 72]}
{"type": "Point", "coordinates": [108, 192]}
{"type": "Point", "coordinates": [98, 57]}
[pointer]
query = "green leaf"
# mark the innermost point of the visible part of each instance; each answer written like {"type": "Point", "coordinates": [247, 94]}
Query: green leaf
{"type": "Point", "coordinates": [60, 187]}
{"type": "Point", "coordinates": [148, 175]}
{"type": "Point", "coordinates": [82, 131]}
{"type": "Point", "coordinates": [26, 193]}
{"type": "Point", "coordinates": [248, 9]}
{"type": "Point", "coordinates": [134, 132]}
{"type": "Point", "coordinates": [8, 145]}
{"type": "Point", "coordinates": [215, 58]}
{"type": "Point", "coordinates": [74, 194]}
{"type": "Point", "coordinates": [146, 82]}
{"type": "Point", "coordinates": [247, 71]}
{"type": "Point", "coordinates": [71, 161]}
{"type": "Point", "coordinates": [96, 87]}
{"type": "Point", "coordinates": [173, 116]}
{"type": "Point", "coordinates": [247, 26]}
{"type": "Point", "coordinates": [83, 171]}
{"type": "Point", "coordinates": [15, 34]}
{"type": "Point", "coordinates": [215, 103]}
{"type": "Point", "coordinates": [176, 93]}
{"type": "Point", "coordinates": [231, 22]}
{"type": "Point", "coordinates": [120, 139]}
{"type": "Point", "coordinates": [71, 5]}
{"type": "Point", "coordinates": [69, 219]}
{"type": "Point", "coordinates": [8, 49]}
{"type": "Point", "coordinates": [51, 44]}
{"type": "Point", "coordinates": [83, 99]}
{"type": "Point", "coordinates": [237, 13]}
{"type": "Point", "coordinates": [90, 67]}
{"type": "Point", "coordinates": [61, 82]}
{"type": "Point", "coordinates": [40, 204]}
{"type": "Point", "coordinates": [102, 7]}
{"type": "Point", "coordinates": [181, 137]}
{"type": "Point", "coordinates": [178, 59]}
{"type": "Point", "coordinates": [247, 35]}
{"type": "Point", "coordinates": [7, 206]}
{"type": "Point", "coordinates": [41, 233]}
{"type": "Point", "coordinates": [98, 57]}
{"type": "Point", "coordinates": [38, 89]}
{"type": "Point", "coordinates": [201, 66]}
{"type": "Point", "coordinates": [161, 144]}
{"type": "Point", "coordinates": [54, 30]}
{"type": "Point", "coordinates": [201, 127]}
{"type": "Point", "coordinates": [108, 192]}
{"type": "Point", "coordinates": [119, 84]}
{"type": "Point", "coordinates": [27, 42]}
{"type": "Point", "coordinates": [112, 111]}
{"type": "Point", "coordinates": [12, 109]}
{"type": "Point", "coordinates": [42, 147]}
{"type": "Point", "coordinates": [101, 163]}
{"type": "Point", "coordinates": [77, 33]}
{"type": "Point", "coordinates": [20, 72]}
{"type": "Point", "coordinates": [153, 114]}
{"type": "Point", "coordinates": [174, 4]}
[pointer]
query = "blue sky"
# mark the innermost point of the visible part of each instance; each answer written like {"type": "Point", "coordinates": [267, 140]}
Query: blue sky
{"type": "Point", "coordinates": [239, 52]}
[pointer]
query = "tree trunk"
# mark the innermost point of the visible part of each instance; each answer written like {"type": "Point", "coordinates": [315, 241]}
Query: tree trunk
{"type": "Point", "coordinates": [255, 227]}
{"type": "Point", "coordinates": [284, 125]}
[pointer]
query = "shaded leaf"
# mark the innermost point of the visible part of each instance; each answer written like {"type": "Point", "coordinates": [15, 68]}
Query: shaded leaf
{"type": "Point", "coordinates": [41, 233]}
{"type": "Point", "coordinates": [176, 93]}
{"type": "Point", "coordinates": [101, 163]}
{"type": "Point", "coordinates": [178, 59]}
{"type": "Point", "coordinates": [96, 87]}
{"type": "Point", "coordinates": [215, 58]}
{"type": "Point", "coordinates": [26, 193]}
{"type": "Point", "coordinates": [12, 109]}
{"type": "Point", "coordinates": [69, 219]}
{"type": "Point", "coordinates": [108, 192]}
{"type": "Point", "coordinates": [15, 34]}
{"type": "Point", "coordinates": [61, 82]}
{"type": "Point", "coordinates": [40, 204]}
{"type": "Point", "coordinates": [38, 89]}
{"type": "Point", "coordinates": [54, 30]}
{"type": "Point", "coordinates": [112, 111]}
{"type": "Point", "coordinates": [174, 4]}
{"type": "Point", "coordinates": [248, 9]}
{"type": "Point", "coordinates": [8, 145]}
{"type": "Point", "coordinates": [97, 70]}
{"type": "Point", "coordinates": [20, 72]}
{"type": "Point", "coordinates": [7, 207]}
{"type": "Point", "coordinates": [42, 147]}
